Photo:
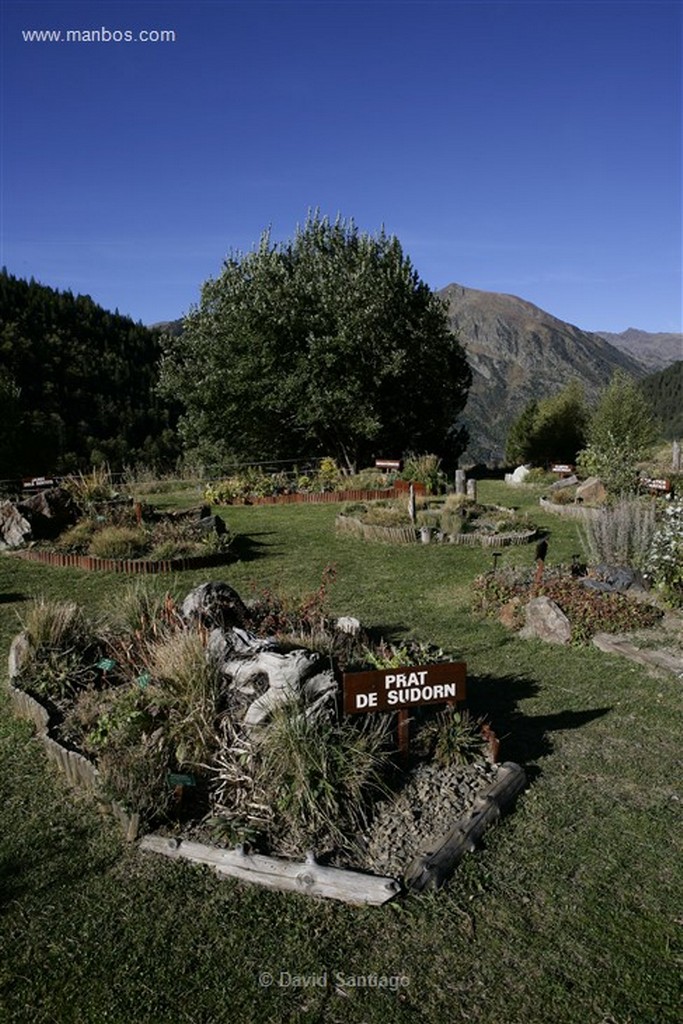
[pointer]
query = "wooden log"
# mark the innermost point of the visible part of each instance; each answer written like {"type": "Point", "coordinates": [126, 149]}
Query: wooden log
{"type": "Point", "coordinates": [432, 869]}
{"type": "Point", "coordinates": [309, 877]}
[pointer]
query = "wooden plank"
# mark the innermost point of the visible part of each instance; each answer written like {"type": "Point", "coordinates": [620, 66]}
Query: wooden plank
{"type": "Point", "coordinates": [430, 870]}
{"type": "Point", "coordinates": [308, 877]}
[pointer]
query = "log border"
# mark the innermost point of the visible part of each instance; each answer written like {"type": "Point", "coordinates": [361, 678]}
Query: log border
{"type": "Point", "coordinates": [410, 534]}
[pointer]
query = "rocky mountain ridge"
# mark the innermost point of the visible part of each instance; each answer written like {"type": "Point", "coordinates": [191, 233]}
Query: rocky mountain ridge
{"type": "Point", "coordinates": [517, 352]}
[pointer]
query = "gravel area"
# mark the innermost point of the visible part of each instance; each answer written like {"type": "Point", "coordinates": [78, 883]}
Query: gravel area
{"type": "Point", "coordinates": [429, 804]}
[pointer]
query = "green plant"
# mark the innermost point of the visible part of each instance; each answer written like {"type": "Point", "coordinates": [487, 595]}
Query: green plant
{"type": "Point", "coordinates": [87, 488]}
{"type": "Point", "coordinates": [64, 648]}
{"type": "Point", "coordinates": [664, 563]}
{"type": "Point", "coordinates": [119, 542]}
{"type": "Point", "coordinates": [77, 539]}
{"type": "Point", "coordinates": [622, 534]}
{"type": "Point", "coordinates": [425, 469]}
{"type": "Point", "coordinates": [454, 737]}
{"type": "Point", "coordinates": [319, 776]}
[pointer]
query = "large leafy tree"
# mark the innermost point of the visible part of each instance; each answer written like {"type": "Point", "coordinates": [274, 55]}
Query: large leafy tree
{"type": "Point", "coordinates": [550, 430]}
{"type": "Point", "coordinates": [620, 432]}
{"type": "Point", "coordinates": [328, 343]}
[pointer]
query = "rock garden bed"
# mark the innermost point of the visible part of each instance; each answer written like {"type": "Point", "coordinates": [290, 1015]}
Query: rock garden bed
{"type": "Point", "coordinates": [218, 723]}
{"type": "Point", "coordinates": [61, 528]}
{"type": "Point", "coordinates": [568, 604]}
{"type": "Point", "coordinates": [458, 520]}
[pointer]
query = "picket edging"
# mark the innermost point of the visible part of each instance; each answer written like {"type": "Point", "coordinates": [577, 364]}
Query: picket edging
{"type": "Point", "coordinates": [79, 771]}
{"type": "Point", "coordinates": [140, 566]}
{"type": "Point", "coordinates": [410, 535]}
{"type": "Point", "coordinates": [399, 490]}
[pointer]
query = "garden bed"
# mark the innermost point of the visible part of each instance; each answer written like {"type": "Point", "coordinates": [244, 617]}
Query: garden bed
{"type": "Point", "coordinates": [209, 720]}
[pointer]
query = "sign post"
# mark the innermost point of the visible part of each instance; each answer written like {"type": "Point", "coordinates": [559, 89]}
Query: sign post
{"type": "Point", "coordinates": [401, 689]}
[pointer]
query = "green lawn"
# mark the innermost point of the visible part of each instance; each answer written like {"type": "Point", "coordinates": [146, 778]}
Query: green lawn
{"type": "Point", "coordinates": [569, 913]}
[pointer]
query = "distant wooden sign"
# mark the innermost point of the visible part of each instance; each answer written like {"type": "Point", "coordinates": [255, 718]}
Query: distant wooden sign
{"type": "Point", "coordinates": [658, 486]}
{"type": "Point", "coordinates": [387, 463]}
{"type": "Point", "coordinates": [562, 468]}
{"type": "Point", "coordinates": [398, 689]}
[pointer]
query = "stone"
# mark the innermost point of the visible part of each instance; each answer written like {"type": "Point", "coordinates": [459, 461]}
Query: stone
{"type": "Point", "coordinates": [214, 605]}
{"type": "Point", "coordinates": [509, 613]}
{"type": "Point", "coordinates": [348, 624]}
{"type": "Point", "coordinates": [15, 529]}
{"type": "Point", "coordinates": [565, 481]}
{"type": "Point", "coordinates": [615, 580]}
{"type": "Point", "coordinates": [20, 653]}
{"type": "Point", "coordinates": [519, 475]}
{"type": "Point", "coordinates": [212, 524]}
{"type": "Point", "coordinates": [49, 512]}
{"type": "Point", "coordinates": [546, 621]}
{"type": "Point", "coordinates": [592, 491]}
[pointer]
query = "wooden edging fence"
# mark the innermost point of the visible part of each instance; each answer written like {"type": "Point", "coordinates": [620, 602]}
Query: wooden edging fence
{"type": "Point", "coordinates": [399, 490]}
{"type": "Point", "coordinates": [78, 769]}
{"type": "Point", "coordinates": [411, 534]}
{"type": "Point", "coordinates": [140, 566]}
{"type": "Point", "coordinates": [571, 511]}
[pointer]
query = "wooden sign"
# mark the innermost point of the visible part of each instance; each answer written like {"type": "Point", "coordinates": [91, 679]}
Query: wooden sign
{"type": "Point", "coordinates": [387, 463]}
{"type": "Point", "coordinates": [562, 468]}
{"type": "Point", "coordinates": [659, 486]}
{"type": "Point", "coordinates": [397, 689]}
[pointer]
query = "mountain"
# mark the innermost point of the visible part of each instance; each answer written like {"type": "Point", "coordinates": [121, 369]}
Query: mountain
{"type": "Point", "coordinates": [518, 352]}
{"type": "Point", "coordinates": [654, 351]}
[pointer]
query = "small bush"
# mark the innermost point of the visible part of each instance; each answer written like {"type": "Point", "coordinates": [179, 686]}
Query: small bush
{"type": "Point", "coordinates": [454, 737]}
{"type": "Point", "coordinates": [623, 534]}
{"type": "Point", "coordinates": [64, 648]}
{"type": "Point", "coordinates": [119, 542]}
{"type": "Point", "coordinates": [77, 540]}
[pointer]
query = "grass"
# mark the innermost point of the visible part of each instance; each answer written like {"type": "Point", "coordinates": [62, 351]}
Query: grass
{"type": "Point", "coordinates": [567, 914]}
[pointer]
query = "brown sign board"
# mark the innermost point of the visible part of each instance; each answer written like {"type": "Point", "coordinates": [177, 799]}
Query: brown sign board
{"type": "Point", "coordinates": [387, 463]}
{"type": "Point", "coordinates": [397, 689]}
{"type": "Point", "coordinates": [561, 467]}
{"type": "Point", "coordinates": [656, 485]}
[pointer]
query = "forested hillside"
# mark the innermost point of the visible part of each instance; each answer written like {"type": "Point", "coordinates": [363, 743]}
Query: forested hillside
{"type": "Point", "coordinates": [664, 390]}
{"type": "Point", "coordinates": [78, 384]}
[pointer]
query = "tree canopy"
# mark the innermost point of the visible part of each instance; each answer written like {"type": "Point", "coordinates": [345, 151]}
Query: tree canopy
{"type": "Point", "coordinates": [77, 384]}
{"type": "Point", "coordinates": [552, 430]}
{"type": "Point", "coordinates": [326, 344]}
{"type": "Point", "coordinates": [620, 432]}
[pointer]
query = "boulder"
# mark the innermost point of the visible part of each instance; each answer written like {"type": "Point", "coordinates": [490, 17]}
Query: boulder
{"type": "Point", "coordinates": [348, 624]}
{"type": "Point", "coordinates": [565, 481]}
{"type": "Point", "coordinates": [546, 621]}
{"type": "Point", "coordinates": [519, 475]}
{"type": "Point", "coordinates": [615, 580]}
{"type": "Point", "coordinates": [49, 512]}
{"type": "Point", "coordinates": [214, 605]}
{"type": "Point", "coordinates": [592, 491]}
{"type": "Point", "coordinates": [212, 524]}
{"type": "Point", "coordinates": [15, 529]}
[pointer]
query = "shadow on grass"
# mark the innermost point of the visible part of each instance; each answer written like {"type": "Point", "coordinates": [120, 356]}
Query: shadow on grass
{"type": "Point", "coordinates": [245, 548]}
{"type": "Point", "coordinates": [12, 597]}
{"type": "Point", "coordinates": [523, 738]}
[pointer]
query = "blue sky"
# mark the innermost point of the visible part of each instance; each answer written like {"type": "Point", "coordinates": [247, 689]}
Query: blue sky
{"type": "Point", "coordinates": [530, 148]}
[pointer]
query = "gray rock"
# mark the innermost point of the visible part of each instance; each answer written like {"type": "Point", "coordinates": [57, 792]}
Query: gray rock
{"type": "Point", "coordinates": [20, 653]}
{"type": "Point", "coordinates": [546, 621]}
{"type": "Point", "coordinates": [214, 605]}
{"type": "Point", "coordinates": [592, 491]}
{"type": "Point", "coordinates": [212, 524]}
{"type": "Point", "coordinates": [347, 624]}
{"type": "Point", "coordinates": [565, 481]}
{"type": "Point", "coordinates": [15, 529]}
{"type": "Point", "coordinates": [49, 512]}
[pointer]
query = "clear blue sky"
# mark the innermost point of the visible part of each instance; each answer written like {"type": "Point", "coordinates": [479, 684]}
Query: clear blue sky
{"type": "Point", "coordinates": [530, 148]}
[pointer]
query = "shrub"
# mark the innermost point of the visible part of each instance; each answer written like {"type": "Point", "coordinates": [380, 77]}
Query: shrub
{"type": "Point", "coordinates": [664, 564]}
{"type": "Point", "coordinates": [425, 469]}
{"type": "Point", "coordinates": [453, 737]}
{"type": "Point", "coordinates": [86, 488]}
{"type": "Point", "coordinates": [119, 542]}
{"type": "Point", "coordinates": [319, 776]}
{"type": "Point", "coordinates": [622, 535]}
{"type": "Point", "coordinates": [77, 540]}
{"type": "Point", "coordinates": [64, 648]}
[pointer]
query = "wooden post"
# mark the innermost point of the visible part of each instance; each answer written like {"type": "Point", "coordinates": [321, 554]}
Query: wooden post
{"type": "Point", "coordinates": [411, 504]}
{"type": "Point", "coordinates": [460, 483]}
{"type": "Point", "coordinates": [472, 490]}
{"type": "Point", "coordinates": [403, 734]}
